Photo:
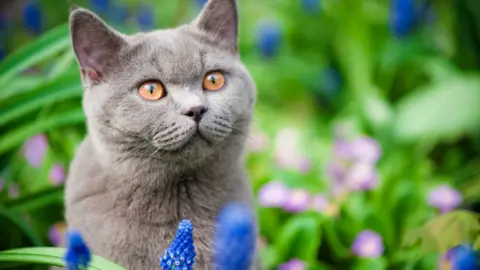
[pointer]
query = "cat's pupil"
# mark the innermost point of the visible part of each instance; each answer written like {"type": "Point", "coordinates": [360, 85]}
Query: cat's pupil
{"type": "Point", "coordinates": [212, 79]}
{"type": "Point", "coordinates": [150, 88]}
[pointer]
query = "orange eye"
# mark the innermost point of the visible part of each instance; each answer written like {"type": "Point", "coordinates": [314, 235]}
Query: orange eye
{"type": "Point", "coordinates": [213, 81]}
{"type": "Point", "coordinates": [151, 90]}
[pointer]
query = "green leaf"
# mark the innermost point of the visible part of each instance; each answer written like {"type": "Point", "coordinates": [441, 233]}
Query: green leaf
{"type": "Point", "coordinates": [444, 232]}
{"type": "Point", "coordinates": [64, 88]}
{"type": "Point", "coordinates": [300, 237]}
{"type": "Point", "coordinates": [46, 46]}
{"type": "Point", "coordinates": [22, 85]}
{"type": "Point", "coordinates": [439, 111]}
{"type": "Point", "coordinates": [21, 225]}
{"type": "Point", "coordinates": [370, 264]}
{"type": "Point", "coordinates": [36, 200]}
{"type": "Point", "coordinates": [16, 137]}
{"type": "Point", "coordinates": [51, 256]}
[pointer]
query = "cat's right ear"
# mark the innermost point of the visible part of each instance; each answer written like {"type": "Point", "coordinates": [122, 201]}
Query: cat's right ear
{"type": "Point", "coordinates": [96, 45]}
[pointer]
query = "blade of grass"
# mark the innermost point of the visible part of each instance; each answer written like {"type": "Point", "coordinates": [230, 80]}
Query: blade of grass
{"type": "Point", "coordinates": [14, 138]}
{"type": "Point", "coordinates": [46, 46]}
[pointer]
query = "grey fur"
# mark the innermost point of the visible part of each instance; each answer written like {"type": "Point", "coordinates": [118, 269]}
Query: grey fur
{"type": "Point", "coordinates": [143, 166]}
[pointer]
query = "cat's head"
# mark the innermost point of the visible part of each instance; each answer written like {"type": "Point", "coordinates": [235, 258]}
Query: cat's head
{"type": "Point", "coordinates": [180, 92]}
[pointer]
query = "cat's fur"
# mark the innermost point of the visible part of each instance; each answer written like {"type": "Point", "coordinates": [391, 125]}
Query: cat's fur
{"type": "Point", "coordinates": [144, 166]}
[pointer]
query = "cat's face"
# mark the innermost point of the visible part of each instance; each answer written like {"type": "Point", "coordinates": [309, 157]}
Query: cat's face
{"type": "Point", "coordinates": [177, 92]}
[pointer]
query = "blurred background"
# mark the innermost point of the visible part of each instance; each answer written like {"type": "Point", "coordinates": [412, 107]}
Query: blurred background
{"type": "Point", "coordinates": [364, 152]}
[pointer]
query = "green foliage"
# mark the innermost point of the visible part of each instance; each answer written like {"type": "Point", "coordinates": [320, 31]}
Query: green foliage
{"type": "Point", "coordinates": [417, 96]}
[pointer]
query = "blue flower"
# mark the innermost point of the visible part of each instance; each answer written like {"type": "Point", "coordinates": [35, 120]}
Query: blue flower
{"type": "Point", "coordinates": [145, 18]}
{"type": "Point", "coordinates": [404, 16]}
{"type": "Point", "coordinates": [181, 252]}
{"type": "Point", "coordinates": [331, 82]}
{"type": "Point", "coordinates": [269, 35]}
{"type": "Point", "coordinates": [311, 6]}
{"type": "Point", "coordinates": [463, 257]}
{"type": "Point", "coordinates": [234, 239]}
{"type": "Point", "coordinates": [118, 14]}
{"type": "Point", "coordinates": [201, 3]}
{"type": "Point", "coordinates": [78, 255]}
{"type": "Point", "coordinates": [100, 6]}
{"type": "Point", "coordinates": [32, 17]}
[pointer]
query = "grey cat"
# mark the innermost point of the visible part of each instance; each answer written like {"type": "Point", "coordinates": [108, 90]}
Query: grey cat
{"type": "Point", "coordinates": [167, 113]}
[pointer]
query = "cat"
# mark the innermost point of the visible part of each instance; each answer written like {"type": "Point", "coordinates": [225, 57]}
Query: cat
{"type": "Point", "coordinates": [167, 116]}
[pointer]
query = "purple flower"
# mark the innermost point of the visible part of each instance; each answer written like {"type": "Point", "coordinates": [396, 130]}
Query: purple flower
{"type": "Point", "coordinates": [294, 264]}
{"type": "Point", "coordinates": [257, 142]}
{"type": "Point", "coordinates": [296, 201]}
{"type": "Point", "coordinates": [34, 150]}
{"type": "Point", "coordinates": [57, 174]}
{"type": "Point", "coordinates": [365, 149]}
{"type": "Point", "coordinates": [319, 203]}
{"type": "Point", "coordinates": [361, 176]}
{"type": "Point", "coordinates": [273, 194]}
{"type": "Point", "coordinates": [287, 153]}
{"type": "Point", "coordinates": [13, 191]}
{"type": "Point", "coordinates": [368, 244]}
{"type": "Point", "coordinates": [56, 234]}
{"type": "Point", "coordinates": [444, 198]}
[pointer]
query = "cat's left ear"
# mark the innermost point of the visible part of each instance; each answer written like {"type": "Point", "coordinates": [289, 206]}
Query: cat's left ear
{"type": "Point", "coordinates": [219, 19]}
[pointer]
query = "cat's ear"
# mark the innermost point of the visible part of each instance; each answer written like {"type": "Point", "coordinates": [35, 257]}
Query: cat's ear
{"type": "Point", "coordinates": [96, 45]}
{"type": "Point", "coordinates": [219, 19]}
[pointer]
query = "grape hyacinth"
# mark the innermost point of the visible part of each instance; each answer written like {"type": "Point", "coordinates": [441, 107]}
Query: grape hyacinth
{"type": "Point", "coordinates": [181, 252]}
{"type": "Point", "coordinates": [461, 257]}
{"type": "Point", "coordinates": [145, 17]}
{"type": "Point", "coordinates": [100, 6]}
{"type": "Point", "coordinates": [78, 254]}
{"type": "Point", "coordinates": [268, 40]}
{"type": "Point", "coordinates": [310, 6]}
{"type": "Point", "coordinates": [32, 17]}
{"type": "Point", "coordinates": [404, 17]}
{"type": "Point", "coordinates": [234, 239]}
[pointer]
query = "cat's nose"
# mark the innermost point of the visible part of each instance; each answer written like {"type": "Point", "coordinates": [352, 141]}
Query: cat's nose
{"type": "Point", "coordinates": [196, 112]}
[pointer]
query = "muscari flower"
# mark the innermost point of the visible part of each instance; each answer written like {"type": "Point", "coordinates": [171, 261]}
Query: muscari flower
{"type": "Point", "coordinates": [461, 257]}
{"type": "Point", "coordinates": [404, 16]}
{"type": "Point", "coordinates": [100, 6]}
{"type": "Point", "coordinates": [310, 6]}
{"type": "Point", "coordinates": [181, 252]}
{"type": "Point", "coordinates": [118, 14]}
{"type": "Point", "coordinates": [234, 238]}
{"type": "Point", "coordinates": [78, 254]}
{"type": "Point", "coordinates": [201, 3]}
{"type": "Point", "coordinates": [445, 198]}
{"type": "Point", "coordinates": [145, 17]}
{"type": "Point", "coordinates": [368, 244]}
{"type": "Point", "coordinates": [57, 174]}
{"type": "Point", "coordinates": [268, 40]}
{"type": "Point", "coordinates": [34, 150]}
{"type": "Point", "coordinates": [32, 17]}
{"type": "Point", "coordinates": [294, 264]}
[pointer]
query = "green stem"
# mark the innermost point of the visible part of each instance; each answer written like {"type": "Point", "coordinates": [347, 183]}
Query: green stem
{"type": "Point", "coordinates": [338, 249]}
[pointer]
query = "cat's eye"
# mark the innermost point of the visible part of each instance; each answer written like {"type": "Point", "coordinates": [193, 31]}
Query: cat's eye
{"type": "Point", "coordinates": [151, 90]}
{"type": "Point", "coordinates": [213, 81]}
